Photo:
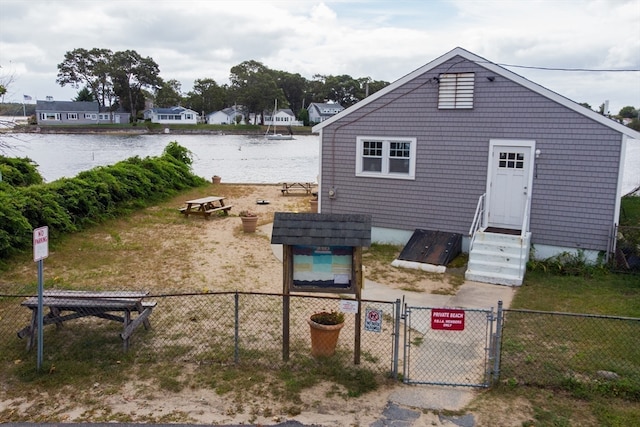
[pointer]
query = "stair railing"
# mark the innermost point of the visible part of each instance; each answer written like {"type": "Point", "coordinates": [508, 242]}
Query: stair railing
{"type": "Point", "coordinates": [524, 230]}
{"type": "Point", "coordinates": [478, 220]}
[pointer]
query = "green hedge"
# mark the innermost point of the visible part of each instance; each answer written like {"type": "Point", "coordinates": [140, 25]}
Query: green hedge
{"type": "Point", "coordinates": [71, 204]}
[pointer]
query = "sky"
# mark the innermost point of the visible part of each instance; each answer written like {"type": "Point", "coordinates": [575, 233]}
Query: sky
{"type": "Point", "coordinates": [384, 40]}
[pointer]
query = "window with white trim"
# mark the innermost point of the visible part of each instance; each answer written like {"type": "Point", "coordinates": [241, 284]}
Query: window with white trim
{"type": "Point", "coordinates": [72, 116]}
{"type": "Point", "coordinates": [386, 157]}
{"type": "Point", "coordinates": [49, 116]}
{"type": "Point", "coordinates": [456, 91]}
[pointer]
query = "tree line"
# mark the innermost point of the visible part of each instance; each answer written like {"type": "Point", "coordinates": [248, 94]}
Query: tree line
{"type": "Point", "coordinates": [126, 79]}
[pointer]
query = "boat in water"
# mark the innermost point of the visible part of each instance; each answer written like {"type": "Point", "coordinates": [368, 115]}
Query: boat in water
{"type": "Point", "coordinates": [275, 135]}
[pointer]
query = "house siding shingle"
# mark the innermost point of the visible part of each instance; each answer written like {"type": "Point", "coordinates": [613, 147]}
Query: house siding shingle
{"type": "Point", "coordinates": [573, 194]}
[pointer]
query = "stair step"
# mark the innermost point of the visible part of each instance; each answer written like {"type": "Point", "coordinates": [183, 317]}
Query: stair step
{"type": "Point", "coordinates": [493, 256]}
{"type": "Point", "coordinates": [495, 278]}
{"type": "Point", "coordinates": [495, 267]}
{"type": "Point", "coordinates": [510, 250]}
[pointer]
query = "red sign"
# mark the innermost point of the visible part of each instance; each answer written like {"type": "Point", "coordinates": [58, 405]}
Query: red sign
{"type": "Point", "coordinates": [447, 319]}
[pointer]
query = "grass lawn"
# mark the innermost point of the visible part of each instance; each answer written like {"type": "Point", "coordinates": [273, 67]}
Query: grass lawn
{"type": "Point", "coordinates": [588, 290]}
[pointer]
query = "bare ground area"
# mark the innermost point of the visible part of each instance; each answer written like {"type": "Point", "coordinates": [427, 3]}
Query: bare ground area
{"type": "Point", "coordinates": [194, 254]}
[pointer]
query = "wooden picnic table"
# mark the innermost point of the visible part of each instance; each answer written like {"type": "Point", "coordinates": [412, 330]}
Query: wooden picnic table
{"type": "Point", "coordinates": [65, 305]}
{"type": "Point", "coordinates": [205, 206]}
{"type": "Point", "coordinates": [307, 187]}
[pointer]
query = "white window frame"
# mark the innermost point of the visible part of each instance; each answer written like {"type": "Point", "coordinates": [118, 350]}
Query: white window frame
{"type": "Point", "coordinates": [72, 116]}
{"type": "Point", "coordinates": [386, 150]}
{"type": "Point", "coordinates": [50, 116]}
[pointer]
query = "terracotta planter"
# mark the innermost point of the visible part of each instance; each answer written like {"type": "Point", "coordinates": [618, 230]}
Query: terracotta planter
{"type": "Point", "coordinates": [324, 338]}
{"type": "Point", "coordinates": [249, 223]}
{"type": "Point", "coordinates": [215, 179]}
{"type": "Point", "coordinates": [314, 205]}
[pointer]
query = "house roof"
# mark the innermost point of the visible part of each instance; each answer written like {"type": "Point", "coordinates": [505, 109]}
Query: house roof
{"type": "Point", "coordinates": [286, 111]}
{"type": "Point", "coordinates": [320, 106]}
{"type": "Point", "coordinates": [321, 229]}
{"type": "Point", "coordinates": [482, 62]}
{"type": "Point", "coordinates": [75, 106]}
{"type": "Point", "coordinates": [172, 110]}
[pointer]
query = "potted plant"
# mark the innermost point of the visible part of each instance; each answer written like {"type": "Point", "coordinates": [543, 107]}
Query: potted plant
{"type": "Point", "coordinates": [249, 221]}
{"type": "Point", "coordinates": [325, 329]}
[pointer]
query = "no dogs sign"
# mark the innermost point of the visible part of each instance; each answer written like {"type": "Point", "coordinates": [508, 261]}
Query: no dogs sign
{"type": "Point", "coordinates": [373, 320]}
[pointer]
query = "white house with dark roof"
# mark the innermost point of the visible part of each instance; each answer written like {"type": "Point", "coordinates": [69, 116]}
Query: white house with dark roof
{"type": "Point", "coordinates": [441, 150]}
{"type": "Point", "coordinates": [172, 115]}
{"type": "Point", "coordinates": [226, 116]}
{"type": "Point", "coordinates": [319, 112]}
{"type": "Point", "coordinates": [283, 117]}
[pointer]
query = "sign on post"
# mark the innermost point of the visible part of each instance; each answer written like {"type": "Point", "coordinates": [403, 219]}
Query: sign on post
{"type": "Point", "coordinates": [447, 319]}
{"type": "Point", "coordinates": [40, 243]}
{"type": "Point", "coordinates": [373, 320]}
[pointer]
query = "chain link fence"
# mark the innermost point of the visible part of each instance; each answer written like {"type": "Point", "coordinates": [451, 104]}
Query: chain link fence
{"type": "Point", "coordinates": [230, 328]}
{"type": "Point", "coordinates": [571, 351]}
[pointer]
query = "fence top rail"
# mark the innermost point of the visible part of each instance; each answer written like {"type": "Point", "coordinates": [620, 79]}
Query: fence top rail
{"type": "Point", "coordinates": [191, 294]}
{"type": "Point", "coordinates": [559, 313]}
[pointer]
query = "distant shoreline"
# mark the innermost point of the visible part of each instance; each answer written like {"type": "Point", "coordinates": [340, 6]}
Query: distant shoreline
{"type": "Point", "coordinates": [139, 131]}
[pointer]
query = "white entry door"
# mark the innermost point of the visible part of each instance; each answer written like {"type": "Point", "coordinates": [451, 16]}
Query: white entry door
{"type": "Point", "coordinates": [509, 182]}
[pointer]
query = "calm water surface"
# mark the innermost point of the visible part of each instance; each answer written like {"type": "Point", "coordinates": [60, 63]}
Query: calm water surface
{"type": "Point", "coordinates": [236, 158]}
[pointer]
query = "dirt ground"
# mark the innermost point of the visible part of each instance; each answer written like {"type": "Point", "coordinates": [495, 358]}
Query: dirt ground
{"type": "Point", "coordinates": [249, 258]}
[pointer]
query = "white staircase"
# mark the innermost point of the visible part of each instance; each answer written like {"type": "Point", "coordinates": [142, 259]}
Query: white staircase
{"type": "Point", "coordinates": [498, 258]}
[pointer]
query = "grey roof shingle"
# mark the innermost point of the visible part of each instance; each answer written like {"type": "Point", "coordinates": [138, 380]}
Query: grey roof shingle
{"type": "Point", "coordinates": [315, 229]}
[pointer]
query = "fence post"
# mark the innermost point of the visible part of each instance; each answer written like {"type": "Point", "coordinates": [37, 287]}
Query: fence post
{"type": "Point", "coordinates": [236, 336]}
{"type": "Point", "coordinates": [405, 365]}
{"type": "Point", "coordinates": [396, 339]}
{"type": "Point", "coordinates": [497, 344]}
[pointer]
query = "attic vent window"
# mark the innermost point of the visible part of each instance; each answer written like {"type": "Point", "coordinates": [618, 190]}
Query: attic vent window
{"type": "Point", "coordinates": [456, 91]}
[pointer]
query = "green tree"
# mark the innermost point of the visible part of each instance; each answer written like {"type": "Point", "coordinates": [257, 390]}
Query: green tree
{"type": "Point", "coordinates": [628, 112]}
{"type": "Point", "coordinates": [91, 68]}
{"type": "Point", "coordinates": [169, 94]}
{"type": "Point", "coordinates": [131, 74]}
{"type": "Point", "coordinates": [84, 95]}
{"type": "Point", "coordinates": [207, 96]}
{"type": "Point", "coordinates": [254, 86]}
{"type": "Point", "coordinates": [294, 87]}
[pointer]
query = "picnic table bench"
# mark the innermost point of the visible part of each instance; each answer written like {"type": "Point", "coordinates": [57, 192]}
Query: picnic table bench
{"type": "Point", "coordinates": [65, 305]}
{"type": "Point", "coordinates": [307, 187]}
{"type": "Point", "coordinates": [205, 206]}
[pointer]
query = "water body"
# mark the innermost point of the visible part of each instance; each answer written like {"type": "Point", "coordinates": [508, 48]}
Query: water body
{"type": "Point", "coordinates": [236, 158]}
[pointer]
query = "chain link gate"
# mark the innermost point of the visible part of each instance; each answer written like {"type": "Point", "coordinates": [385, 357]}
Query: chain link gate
{"type": "Point", "coordinates": [447, 346]}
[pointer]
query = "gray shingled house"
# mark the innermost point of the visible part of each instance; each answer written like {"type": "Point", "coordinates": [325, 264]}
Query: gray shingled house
{"type": "Point", "coordinates": [50, 112]}
{"type": "Point", "coordinates": [464, 146]}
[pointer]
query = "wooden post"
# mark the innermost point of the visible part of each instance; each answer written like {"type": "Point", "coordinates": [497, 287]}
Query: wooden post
{"type": "Point", "coordinates": [357, 274]}
{"type": "Point", "coordinates": [287, 280]}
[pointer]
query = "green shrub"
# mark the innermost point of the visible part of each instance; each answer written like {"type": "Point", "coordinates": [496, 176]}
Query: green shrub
{"type": "Point", "coordinates": [70, 204]}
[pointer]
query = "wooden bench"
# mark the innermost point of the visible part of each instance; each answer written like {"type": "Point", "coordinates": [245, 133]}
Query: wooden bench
{"type": "Point", "coordinates": [206, 213]}
{"type": "Point", "coordinates": [307, 187]}
{"type": "Point", "coordinates": [225, 209]}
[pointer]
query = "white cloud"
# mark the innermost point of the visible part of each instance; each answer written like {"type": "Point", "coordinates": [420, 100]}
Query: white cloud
{"type": "Point", "coordinates": [383, 40]}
